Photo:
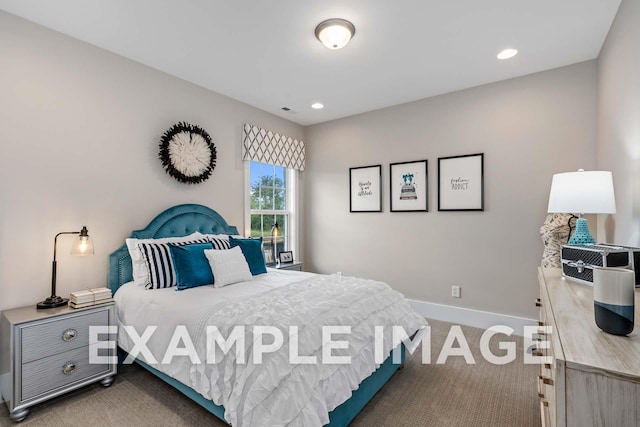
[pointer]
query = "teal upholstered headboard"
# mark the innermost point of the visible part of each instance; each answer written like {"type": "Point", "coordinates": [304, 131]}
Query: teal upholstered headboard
{"type": "Point", "coordinates": [177, 221]}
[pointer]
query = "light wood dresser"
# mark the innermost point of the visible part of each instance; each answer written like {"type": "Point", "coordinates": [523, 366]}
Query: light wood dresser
{"type": "Point", "coordinates": [594, 377]}
{"type": "Point", "coordinates": [45, 353]}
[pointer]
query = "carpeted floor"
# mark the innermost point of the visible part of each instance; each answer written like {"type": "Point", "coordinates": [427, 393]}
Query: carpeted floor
{"type": "Point", "coordinates": [451, 394]}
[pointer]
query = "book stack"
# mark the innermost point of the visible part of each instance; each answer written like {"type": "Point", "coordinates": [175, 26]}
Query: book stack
{"type": "Point", "coordinates": [80, 299]}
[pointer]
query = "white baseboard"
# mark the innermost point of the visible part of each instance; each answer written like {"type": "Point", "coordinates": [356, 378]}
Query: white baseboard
{"type": "Point", "coordinates": [470, 317]}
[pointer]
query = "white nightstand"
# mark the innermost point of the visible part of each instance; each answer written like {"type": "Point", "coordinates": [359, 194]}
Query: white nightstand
{"type": "Point", "coordinates": [295, 265]}
{"type": "Point", "coordinates": [45, 353]}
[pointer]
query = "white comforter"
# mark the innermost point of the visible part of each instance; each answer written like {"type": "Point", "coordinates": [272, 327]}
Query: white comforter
{"type": "Point", "coordinates": [276, 392]}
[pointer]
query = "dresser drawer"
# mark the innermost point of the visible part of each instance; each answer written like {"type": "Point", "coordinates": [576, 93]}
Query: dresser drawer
{"type": "Point", "coordinates": [60, 334]}
{"type": "Point", "coordinates": [47, 374]}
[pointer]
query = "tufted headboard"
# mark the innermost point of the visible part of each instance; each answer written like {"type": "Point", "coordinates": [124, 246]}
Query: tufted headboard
{"type": "Point", "coordinates": [177, 221]}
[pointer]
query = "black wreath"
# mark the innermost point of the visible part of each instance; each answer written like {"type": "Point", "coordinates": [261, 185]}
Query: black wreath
{"type": "Point", "coordinates": [166, 160]}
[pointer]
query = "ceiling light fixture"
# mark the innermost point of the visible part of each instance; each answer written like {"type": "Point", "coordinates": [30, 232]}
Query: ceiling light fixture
{"type": "Point", "coordinates": [317, 106]}
{"type": "Point", "coordinates": [507, 53]}
{"type": "Point", "coordinates": [335, 33]}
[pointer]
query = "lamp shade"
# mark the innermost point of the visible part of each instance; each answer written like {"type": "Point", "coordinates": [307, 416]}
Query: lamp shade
{"type": "Point", "coordinates": [582, 192]}
{"type": "Point", "coordinates": [83, 244]}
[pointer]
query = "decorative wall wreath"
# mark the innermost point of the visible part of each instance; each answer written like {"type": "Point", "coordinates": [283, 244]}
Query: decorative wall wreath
{"type": "Point", "coordinates": [187, 153]}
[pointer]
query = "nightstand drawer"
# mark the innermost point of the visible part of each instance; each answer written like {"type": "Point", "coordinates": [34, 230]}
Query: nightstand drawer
{"type": "Point", "coordinates": [58, 335]}
{"type": "Point", "coordinates": [44, 375]}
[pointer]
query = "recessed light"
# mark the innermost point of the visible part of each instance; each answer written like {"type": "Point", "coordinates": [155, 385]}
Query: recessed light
{"type": "Point", "coordinates": [317, 106]}
{"type": "Point", "coordinates": [507, 53]}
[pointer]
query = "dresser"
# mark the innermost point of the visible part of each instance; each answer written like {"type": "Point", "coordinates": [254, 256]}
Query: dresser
{"type": "Point", "coordinates": [594, 377]}
{"type": "Point", "coordinates": [45, 353]}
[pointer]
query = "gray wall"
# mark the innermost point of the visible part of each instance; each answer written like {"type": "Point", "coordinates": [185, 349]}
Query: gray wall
{"type": "Point", "coordinates": [79, 137]}
{"type": "Point", "coordinates": [528, 128]}
{"type": "Point", "coordinates": [619, 122]}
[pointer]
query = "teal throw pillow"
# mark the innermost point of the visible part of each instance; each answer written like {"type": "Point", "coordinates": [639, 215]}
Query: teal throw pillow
{"type": "Point", "coordinates": [191, 266]}
{"type": "Point", "coordinates": [252, 251]}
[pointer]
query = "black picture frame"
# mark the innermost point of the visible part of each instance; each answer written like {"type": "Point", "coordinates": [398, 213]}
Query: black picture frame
{"type": "Point", "coordinates": [285, 257]}
{"type": "Point", "coordinates": [365, 189]}
{"type": "Point", "coordinates": [409, 186]}
{"type": "Point", "coordinates": [461, 183]}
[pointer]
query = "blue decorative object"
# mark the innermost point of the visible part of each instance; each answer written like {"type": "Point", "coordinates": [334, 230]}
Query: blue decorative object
{"type": "Point", "coordinates": [192, 266]}
{"type": "Point", "coordinates": [582, 236]}
{"type": "Point", "coordinates": [252, 250]}
{"type": "Point", "coordinates": [614, 299]}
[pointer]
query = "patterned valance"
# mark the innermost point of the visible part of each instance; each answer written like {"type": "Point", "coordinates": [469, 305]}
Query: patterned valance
{"type": "Point", "coordinates": [262, 145]}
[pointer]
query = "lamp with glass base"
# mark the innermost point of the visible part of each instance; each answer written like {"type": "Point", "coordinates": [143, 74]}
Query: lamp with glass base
{"type": "Point", "coordinates": [275, 230]}
{"type": "Point", "coordinates": [582, 192]}
{"type": "Point", "coordinates": [81, 247]}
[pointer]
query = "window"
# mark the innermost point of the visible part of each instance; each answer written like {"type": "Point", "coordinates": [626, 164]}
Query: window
{"type": "Point", "coordinates": [271, 200]}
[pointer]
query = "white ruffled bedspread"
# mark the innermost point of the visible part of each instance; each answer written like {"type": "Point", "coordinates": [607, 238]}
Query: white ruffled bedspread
{"type": "Point", "coordinates": [277, 393]}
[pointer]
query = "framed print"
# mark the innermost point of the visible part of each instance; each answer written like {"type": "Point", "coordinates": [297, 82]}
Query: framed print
{"type": "Point", "coordinates": [285, 257]}
{"type": "Point", "coordinates": [268, 255]}
{"type": "Point", "coordinates": [365, 192]}
{"type": "Point", "coordinates": [409, 189]}
{"type": "Point", "coordinates": [461, 183]}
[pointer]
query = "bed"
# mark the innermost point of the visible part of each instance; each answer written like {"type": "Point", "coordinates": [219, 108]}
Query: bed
{"type": "Point", "coordinates": [183, 220]}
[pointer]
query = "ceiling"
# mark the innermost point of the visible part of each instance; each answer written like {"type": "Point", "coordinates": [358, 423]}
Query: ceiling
{"type": "Point", "coordinates": [265, 54]}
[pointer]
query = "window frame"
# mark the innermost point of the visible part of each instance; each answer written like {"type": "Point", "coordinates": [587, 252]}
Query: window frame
{"type": "Point", "coordinates": [291, 196]}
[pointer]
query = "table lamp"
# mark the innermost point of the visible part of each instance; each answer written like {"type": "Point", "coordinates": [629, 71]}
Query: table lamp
{"type": "Point", "coordinates": [82, 246]}
{"type": "Point", "coordinates": [275, 230]}
{"type": "Point", "coordinates": [582, 192]}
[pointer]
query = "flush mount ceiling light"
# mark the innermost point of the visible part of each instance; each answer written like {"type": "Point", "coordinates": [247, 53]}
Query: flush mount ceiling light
{"type": "Point", "coordinates": [335, 33]}
{"type": "Point", "coordinates": [317, 106]}
{"type": "Point", "coordinates": [507, 53]}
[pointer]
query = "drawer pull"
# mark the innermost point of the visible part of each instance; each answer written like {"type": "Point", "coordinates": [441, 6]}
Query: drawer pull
{"type": "Point", "coordinates": [537, 353]}
{"type": "Point", "coordinates": [69, 368]}
{"type": "Point", "coordinates": [69, 335]}
{"type": "Point", "coordinates": [541, 395]}
{"type": "Point", "coordinates": [545, 380]}
{"type": "Point", "coordinates": [545, 403]}
{"type": "Point", "coordinates": [547, 365]}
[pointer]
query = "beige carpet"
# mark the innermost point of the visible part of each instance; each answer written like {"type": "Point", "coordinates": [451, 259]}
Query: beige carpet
{"type": "Point", "coordinates": [452, 394]}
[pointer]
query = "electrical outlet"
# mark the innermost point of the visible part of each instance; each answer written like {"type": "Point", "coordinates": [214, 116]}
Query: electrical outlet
{"type": "Point", "coordinates": [455, 291]}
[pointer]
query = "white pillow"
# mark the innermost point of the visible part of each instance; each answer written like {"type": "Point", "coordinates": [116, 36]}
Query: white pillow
{"type": "Point", "coordinates": [140, 271]}
{"type": "Point", "coordinates": [228, 266]}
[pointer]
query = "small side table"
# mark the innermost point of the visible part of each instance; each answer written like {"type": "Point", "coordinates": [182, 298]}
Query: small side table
{"type": "Point", "coordinates": [46, 353]}
{"type": "Point", "coordinates": [295, 265]}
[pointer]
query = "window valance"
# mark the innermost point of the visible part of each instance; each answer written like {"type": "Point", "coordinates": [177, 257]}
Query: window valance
{"type": "Point", "coordinates": [265, 146]}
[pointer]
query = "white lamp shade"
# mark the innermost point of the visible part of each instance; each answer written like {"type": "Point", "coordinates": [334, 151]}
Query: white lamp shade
{"type": "Point", "coordinates": [582, 192]}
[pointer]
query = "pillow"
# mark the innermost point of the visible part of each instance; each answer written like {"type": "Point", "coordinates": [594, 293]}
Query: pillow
{"type": "Point", "coordinates": [192, 267]}
{"type": "Point", "coordinates": [138, 262]}
{"type": "Point", "coordinates": [219, 241]}
{"type": "Point", "coordinates": [161, 272]}
{"type": "Point", "coordinates": [228, 266]}
{"type": "Point", "coordinates": [252, 250]}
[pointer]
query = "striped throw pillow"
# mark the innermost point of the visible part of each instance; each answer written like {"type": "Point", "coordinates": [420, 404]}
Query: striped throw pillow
{"type": "Point", "coordinates": [220, 242]}
{"type": "Point", "coordinates": [162, 272]}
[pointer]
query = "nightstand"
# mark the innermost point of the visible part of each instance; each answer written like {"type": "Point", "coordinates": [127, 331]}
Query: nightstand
{"type": "Point", "coordinates": [295, 265]}
{"type": "Point", "coordinates": [45, 353]}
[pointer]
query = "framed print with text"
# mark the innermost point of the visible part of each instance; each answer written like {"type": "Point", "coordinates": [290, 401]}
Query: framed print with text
{"type": "Point", "coordinates": [365, 192]}
{"type": "Point", "coordinates": [409, 189]}
{"type": "Point", "coordinates": [461, 183]}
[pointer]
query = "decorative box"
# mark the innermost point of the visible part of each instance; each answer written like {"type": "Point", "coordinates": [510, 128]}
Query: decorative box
{"type": "Point", "coordinates": [578, 260]}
